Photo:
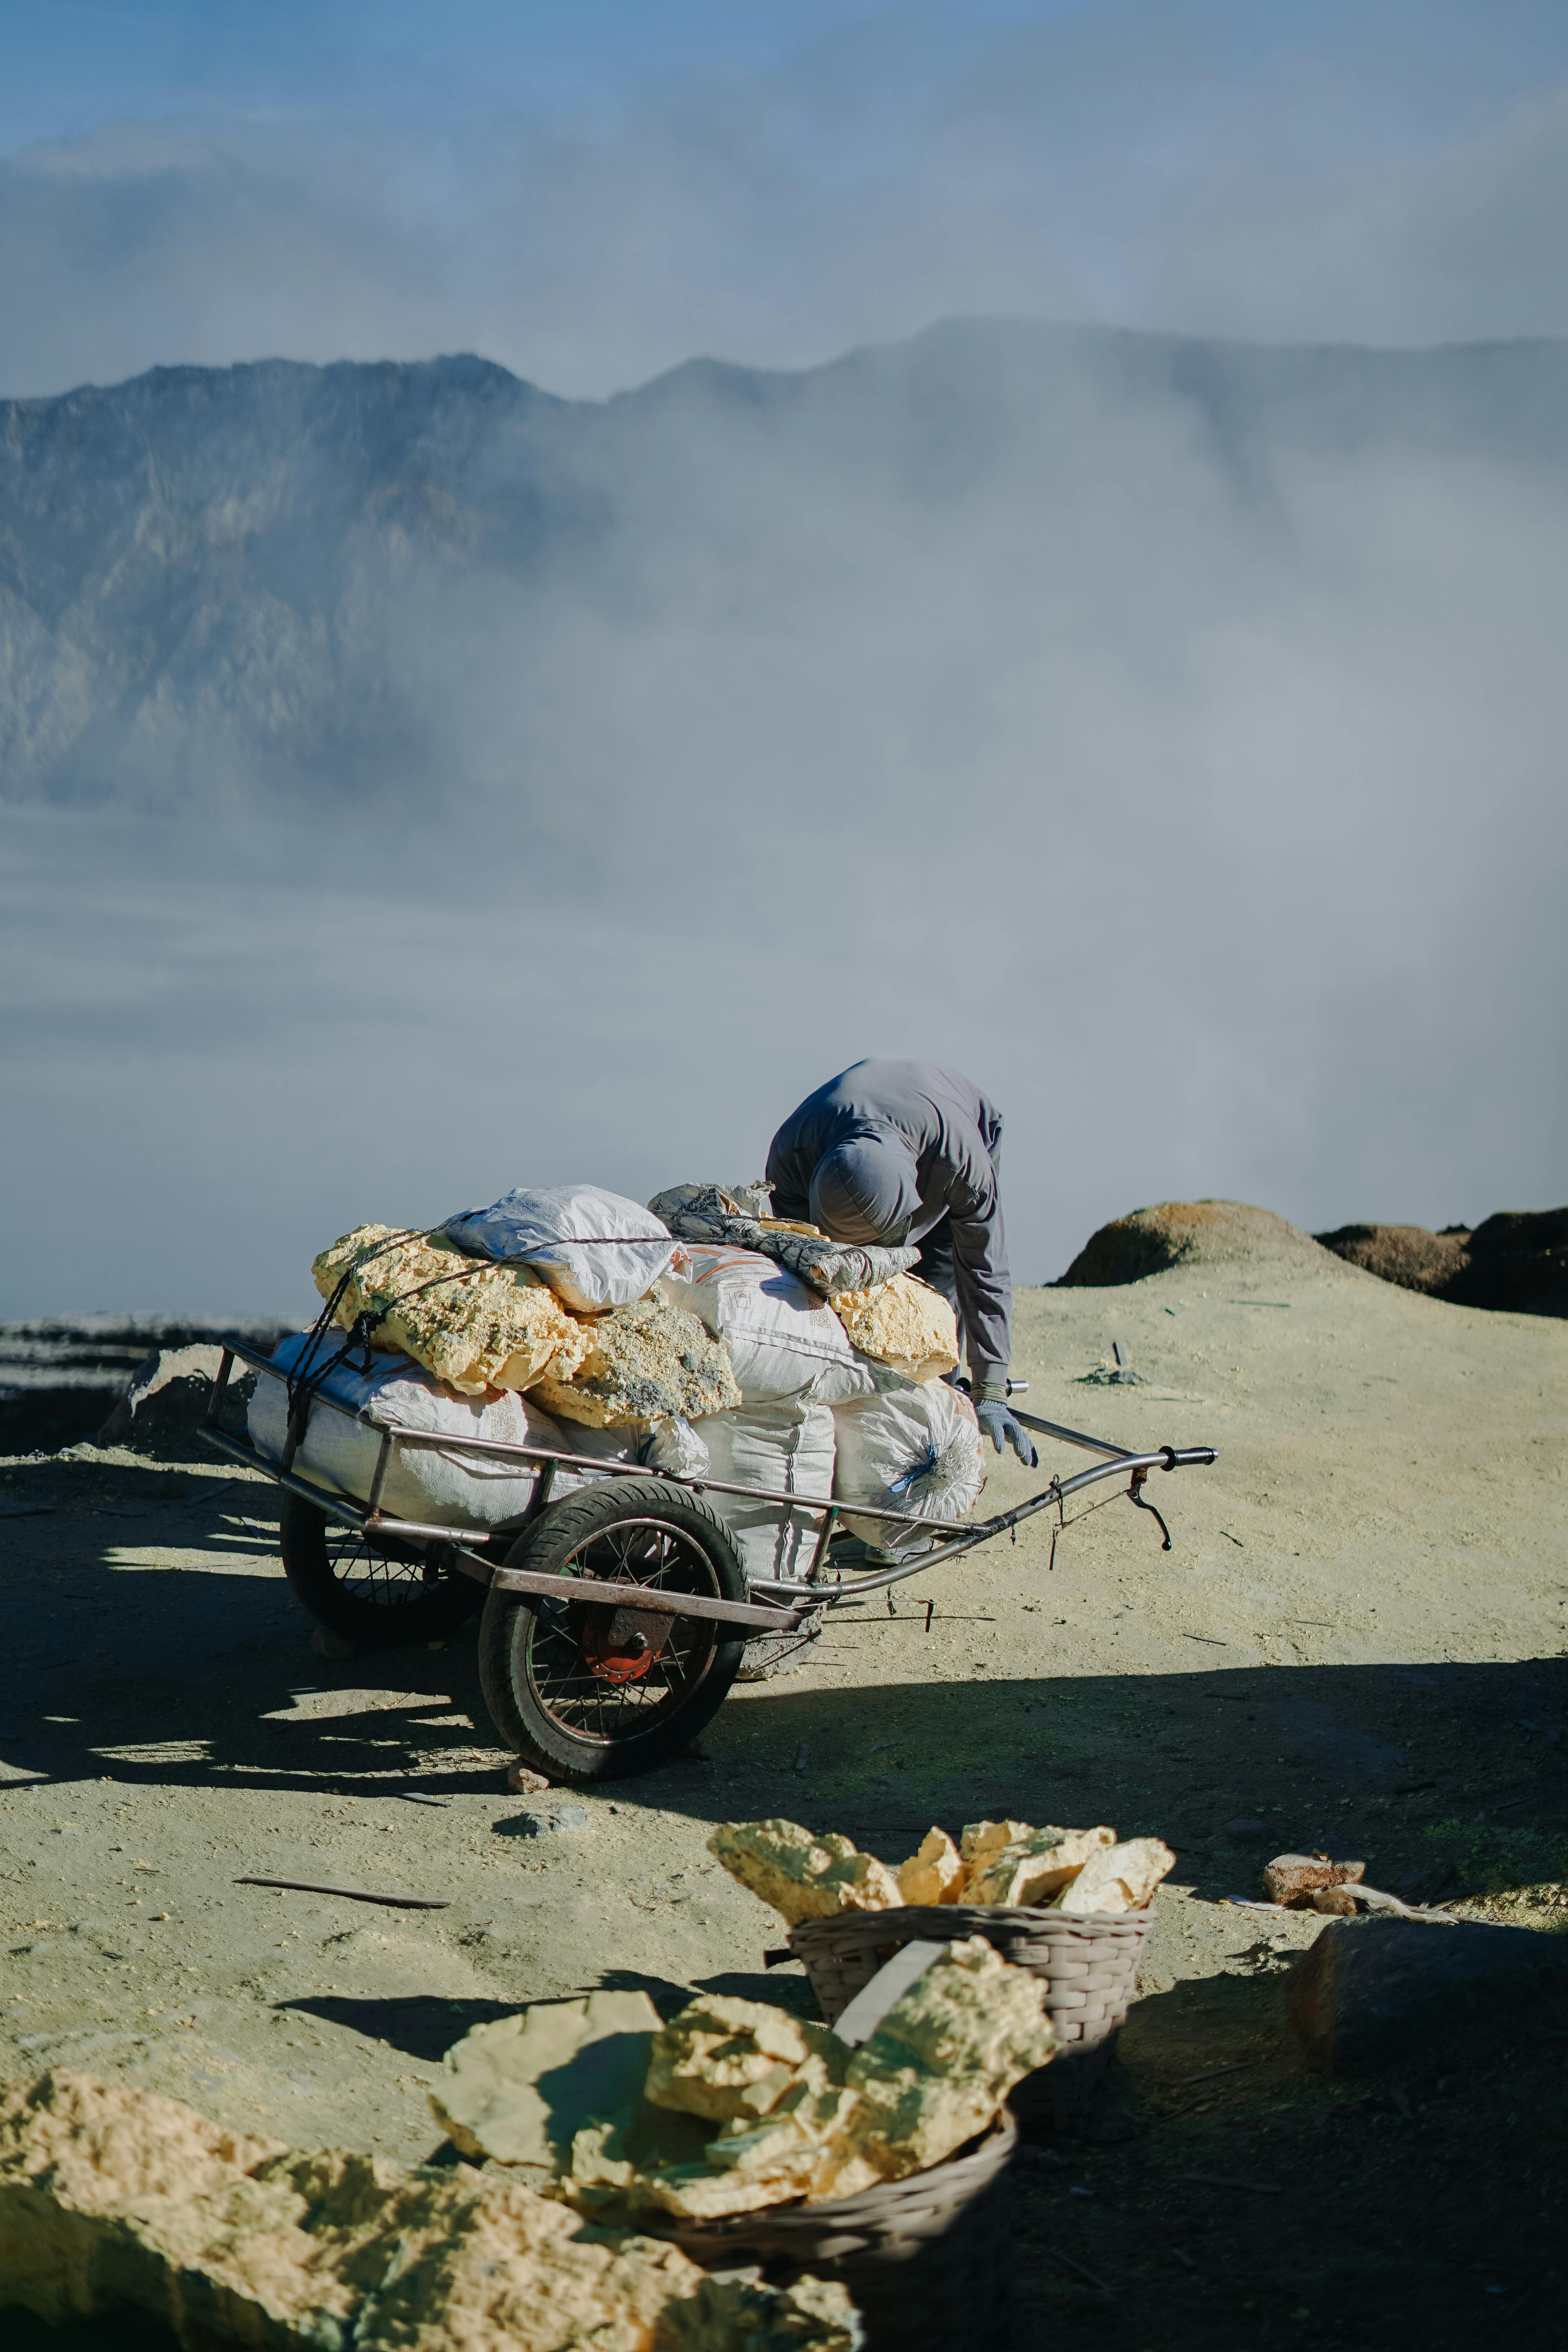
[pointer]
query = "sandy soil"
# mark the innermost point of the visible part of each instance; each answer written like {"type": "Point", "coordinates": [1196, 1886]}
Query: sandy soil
{"type": "Point", "coordinates": [1358, 1637]}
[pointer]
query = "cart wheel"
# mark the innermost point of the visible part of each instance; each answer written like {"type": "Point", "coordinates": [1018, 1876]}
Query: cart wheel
{"type": "Point", "coordinates": [586, 1692]}
{"type": "Point", "coordinates": [375, 1595]}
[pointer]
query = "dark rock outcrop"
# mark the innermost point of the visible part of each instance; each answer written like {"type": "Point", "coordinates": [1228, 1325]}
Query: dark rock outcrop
{"type": "Point", "coordinates": [61, 1378]}
{"type": "Point", "coordinates": [167, 1400]}
{"type": "Point", "coordinates": [1371, 1992]}
{"type": "Point", "coordinates": [1407, 1254]}
{"type": "Point", "coordinates": [1516, 1262]}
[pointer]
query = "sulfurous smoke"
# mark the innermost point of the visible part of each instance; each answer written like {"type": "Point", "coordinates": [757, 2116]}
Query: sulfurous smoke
{"type": "Point", "coordinates": [415, 783]}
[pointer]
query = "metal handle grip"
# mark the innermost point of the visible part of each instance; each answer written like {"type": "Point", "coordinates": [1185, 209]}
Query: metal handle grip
{"type": "Point", "coordinates": [1179, 1457]}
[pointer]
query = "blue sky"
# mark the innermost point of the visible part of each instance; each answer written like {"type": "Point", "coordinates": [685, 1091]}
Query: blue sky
{"type": "Point", "coordinates": [590, 192]}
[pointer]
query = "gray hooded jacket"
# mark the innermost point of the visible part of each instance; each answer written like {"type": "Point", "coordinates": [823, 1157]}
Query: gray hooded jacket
{"type": "Point", "coordinates": [941, 1120]}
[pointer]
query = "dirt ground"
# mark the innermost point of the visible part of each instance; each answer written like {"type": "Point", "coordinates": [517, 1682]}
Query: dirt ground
{"type": "Point", "coordinates": [1357, 1640]}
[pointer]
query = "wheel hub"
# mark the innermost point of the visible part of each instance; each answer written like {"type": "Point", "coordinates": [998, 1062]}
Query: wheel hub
{"type": "Point", "coordinates": [620, 1644]}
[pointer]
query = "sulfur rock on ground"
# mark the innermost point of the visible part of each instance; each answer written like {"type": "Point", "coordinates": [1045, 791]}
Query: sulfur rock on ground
{"type": "Point", "coordinates": [112, 2198]}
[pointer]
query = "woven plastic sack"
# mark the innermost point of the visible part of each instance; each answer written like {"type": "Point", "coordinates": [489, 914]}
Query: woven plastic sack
{"type": "Point", "coordinates": [909, 1449]}
{"type": "Point", "coordinates": [705, 1212]}
{"type": "Point", "coordinates": [423, 1482]}
{"type": "Point", "coordinates": [595, 1249]}
{"type": "Point", "coordinates": [785, 1345]}
{"type": "Point", "coordinates": [785, 1447]}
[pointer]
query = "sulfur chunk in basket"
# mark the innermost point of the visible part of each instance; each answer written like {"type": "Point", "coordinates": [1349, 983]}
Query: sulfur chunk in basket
{"type": "Point", "coordinates": [980, 1842]}
{"type": "Point", "coordinates": [726, 2058]}
{"type": "Point", "coordinates": [1121, 1878]}
{"type": "Point", "coordinates": [804, 1877]}
{"type": "Point", "coordinates": [933, 1873]}
{"type": "Point", "coordinates": [942, 2060]}
{"type": "Point", "coordinates": [474, 1325]}
{"type": "Point", "coordinates": [1031, 1869]}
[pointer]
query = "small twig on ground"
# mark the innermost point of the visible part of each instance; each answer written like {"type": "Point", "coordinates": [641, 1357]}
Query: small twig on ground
{"type": "Point", "coordinates": [1067, 2263]}
{"type": "Point", "coordinates": [352, 1893]}
{"type": "Point", "coordinates": [1209, 2073]}
{"type": "Point", "coordinates": [1227, 2180]}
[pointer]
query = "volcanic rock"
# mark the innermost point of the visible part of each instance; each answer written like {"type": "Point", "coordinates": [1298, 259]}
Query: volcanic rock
{"type": "Point", "coordinates": [1294, 1878]}
{"type": "Point", "coordinates": [60, 1377]}
{"type": "Point", "coordinates": [1515, 1262]}
{"type": "Point", "coordinates": [167, 1399]}
{"type": "Point", "coordinates": [1371, 1991]}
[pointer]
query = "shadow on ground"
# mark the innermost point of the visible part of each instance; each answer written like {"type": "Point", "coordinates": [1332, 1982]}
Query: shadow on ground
{"type": "Point", "coordinates": [1441, 1776]}
{"type": "Point", "coordinates": [420, 2024]}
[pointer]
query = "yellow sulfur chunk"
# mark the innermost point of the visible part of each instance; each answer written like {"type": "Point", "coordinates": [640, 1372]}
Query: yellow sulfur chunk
{"type": "Point", "coordinates": [111, 2198]}
{"type": "Point", "coordinates": [944, 2057]}
{"type": "Point", "coordinates": [980, 1840]}
{"type": "Point", "coordinates": [729, 2059]}
{"type": "Point", "coordinates": [646, 1362]}
{"type": "Point", "coordinates": [933, 1873]}
{"type": "Point", "coordinates": [477, 1327]}
{"type": "Point", "coordinates": [804, 1877]}
{"type": "Point", "coordinates": [902, 1323]}
{"type": "Point", "coordinates": [1121, 1878]}
{"type": "Point", "coordinates": [1033, 1868]}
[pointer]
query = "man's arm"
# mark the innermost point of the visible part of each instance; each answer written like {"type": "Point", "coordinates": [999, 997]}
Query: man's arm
{"type": "Point", "coordinates": [984, 1288]}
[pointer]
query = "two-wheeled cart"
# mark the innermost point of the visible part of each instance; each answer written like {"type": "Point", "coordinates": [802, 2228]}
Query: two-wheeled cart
{"type": "Point", "coordinates": [614, 1618]}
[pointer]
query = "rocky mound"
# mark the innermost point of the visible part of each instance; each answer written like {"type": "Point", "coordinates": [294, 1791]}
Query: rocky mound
{"type": "Point", "coordinates": [1187, 1233]}
{"type": "Point", "coordinates": [1516, 1262]}
{"type": "Point", "coordinates": [1407, 1254]}
{"type": "Point", "coordinates": [62, 1377]}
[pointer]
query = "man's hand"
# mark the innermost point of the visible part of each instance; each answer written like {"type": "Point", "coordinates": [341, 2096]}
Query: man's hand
{"type": "Point", "coordinates": [1000, 1425]}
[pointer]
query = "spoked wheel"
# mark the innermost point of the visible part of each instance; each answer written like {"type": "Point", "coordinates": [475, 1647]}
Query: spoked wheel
{"type": "Point", "coordinates": [587, 1691]}
{"type": "Point", "coordinates": [377, 1595]}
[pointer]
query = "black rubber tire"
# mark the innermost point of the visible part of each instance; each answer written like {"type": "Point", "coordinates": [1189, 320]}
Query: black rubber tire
{"type": "Point", "coordinates": [376, 1596]}
{"type": "Point", "coordinates": [527, 1640]}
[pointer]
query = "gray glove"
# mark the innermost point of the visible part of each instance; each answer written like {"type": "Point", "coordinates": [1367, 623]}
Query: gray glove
{"type": "Point", "coordinates": [1000, 1425]}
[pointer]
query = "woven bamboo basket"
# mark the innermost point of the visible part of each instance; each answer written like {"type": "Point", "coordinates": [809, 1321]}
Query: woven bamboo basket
{"type": "Point", "coordinates": [928, 2260]}
{"type": "Point", "coordinates": [1088, 1963]}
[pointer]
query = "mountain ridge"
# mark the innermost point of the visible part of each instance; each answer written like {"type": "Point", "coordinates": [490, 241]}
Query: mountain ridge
{"type": "Point", "coordinates": [216, 572]}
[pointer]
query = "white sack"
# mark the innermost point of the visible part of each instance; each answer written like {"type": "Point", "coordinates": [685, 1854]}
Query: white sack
{"type": "Point", "coordinates": [785, 1343]}
{"type": "Point", "coordinates": [423, 1482]}
{"type": "Point", "coordinates": [909, 1449]}
{"type": "Point", "coordinates": [625, 1249]}
{"type": "Point", "coordinates": [786, 1447]}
